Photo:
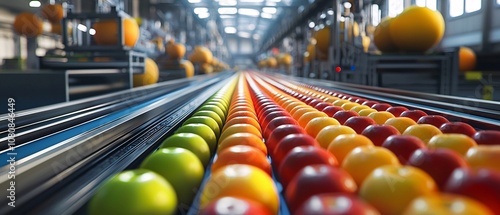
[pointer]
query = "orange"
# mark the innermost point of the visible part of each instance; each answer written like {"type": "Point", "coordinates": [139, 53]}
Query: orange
{"type": "Point", "coordinates": [241, 113]}
{"type": "Point", "coordinates": [349, 105]}
{"type": "Point", "coordinates": [460, 143]}
{"type": "Point", "coordinates": [242, 120]}
{"type": "Point", "coordinates": [362, 160]}
{"type": "Point", "coordinates": [484, 156]}
{"type": "Point", "coordinates": [272, 62]}
{"type": "Point", "coordinates": [301, 112]}
{"type": "Point", "coordinates": [201, 55]}
{"type": "Point", "coordinates": [241, 154]}
{"type": "Point", "coordinates": [241, 181]}
{"type": "Point", "coordinates": [345, 143]}
{"type": "Point", "coordinates": [307, 117]}
{"type": "Point", "coordinates": [298, 107]}
{"type": "Point", "coordinates": [417, 29]}
{"type": "Point", "coordinates": [331, 99]}
{"type": "Point", "coordinates": [241, 108]}
{"type": "Point", "coordinates": [315, 125]}
{"type": "Point", "coordinates": [424, 132]}
{"type": "Point", "coordinates": [248, 139]}
{"type": "Point", "coordinates": [28, 24]}
{"type": "Point", "coordinates": [238, 128]}
{"type": "Point", "coordinates": [467, 59]}
{"type": "Point", "coordinates": [381, 116]}
{"type": "Point", "coordinates": [400, 123]}
{"type": "Point", "coordinates": [289, 107]}
{"type": "Point", "coordinates": [106, 32]}
{"type": "Point", "coordinates": [53, 12]}
{"type": "Point", "coordinates": [175, 50]}
{"type": "Point", "coordinates": [359, 108]}
{"type": "Point", "coordinates": [382, 36]}
{"type": "Point", "coordinates": [340, 102]}
{"type": "Point", "coordinates": [150, 76]}
{"type": "Point", "coordinates": [322, 37]}
{"type": "Point", "coordinates": [366, 112]}
{"type": "Point", "coordinates": [441, 203]}
{"type": "Point", "coordinates": [329, 133]}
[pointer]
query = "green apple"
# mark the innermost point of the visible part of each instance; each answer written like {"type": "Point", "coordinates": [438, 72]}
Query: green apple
{"type": "Point", "coordinates": [214, 109]}
{"type": "Point", "coordinates": [210, 114]}
{"type": "Point", "coordinates": [191, 142]}
{"type": "Point", "coordinates": [181, 168]}
{"type": "Point", "coordinates": [137, 191]}
{"type": "Point", "coordinates": [207, 121]}
{"type": "Point", "coordinates": [218, 104]}
{"type": "Point", "coordinates": [204, 131]}
{"type": "Point", "coordinates": [219, 100]}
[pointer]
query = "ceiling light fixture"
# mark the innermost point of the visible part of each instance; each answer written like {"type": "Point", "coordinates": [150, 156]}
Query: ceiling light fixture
{"type": "Point", "coordinates": [194, 1]}
{"type": "Point", "coordinates": [248, 12]}
{"type": "Point", "coordinates": [227, 2]}
{"type": "Point", "coordinates": [266, 16]}
{"type": "Point", "coordinates": [204, 15]}
{"type": "Point", "coordinates": [230, 30]}
{"type": "Point", "coordinates": [35, 3]}
{"type": "Point", "coordinates": [244, 34]}
{"type": "Point", "coordinates": [199, 10]}
{"type": "Point", "coordinates": [271, 10]}
{"type": "Point", "coordinates": [227, 10]}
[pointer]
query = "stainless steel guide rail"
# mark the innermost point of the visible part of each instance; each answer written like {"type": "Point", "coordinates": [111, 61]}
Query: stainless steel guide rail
{"type": "Point", "coordinates": [481, 114]}
{"type": "Point", "coordinates": [60, 179]}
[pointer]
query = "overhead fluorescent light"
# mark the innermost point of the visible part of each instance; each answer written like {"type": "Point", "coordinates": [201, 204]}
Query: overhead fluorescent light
{"type": "Point", "coordinates": [227, 10]}
{"type": "Point", "coordinates": [248, 12]}
{"type": "Point", "coordinates": [227, 2]}
{"type": "Point", "coordinates": [274, 0]}
{"type": "Point", "coordinates": [271, 4]}
{"type": "Point", "coordinates": [266, 16]}
{"type": "Point", "coordinates": [199, 10]}
{"type": "Point", "coordinates": [204, 15]}
{"type": "Point", "coordinates": [194, 1]}
{"type": "Point", "coordinates": [226, 17]}
{"type": "Point", "coordinates": [311, 24]}
{"type": "Point", "coordinates": [251, 27]}
{"type": "Point", "coordinates": [35, 3]}
{"type": "Point", "coordinates": [271, 10]}
{"type": "Point", "coordinates": [92, 31]}
{"type": "Point", "coordinates": [230, 30]}
{"type": "Point", "coordinates": [252, 1]}
{"type": "Point", "coordinates": [244, 34]}
{"type": "Point", "coordinates": [330, 12]}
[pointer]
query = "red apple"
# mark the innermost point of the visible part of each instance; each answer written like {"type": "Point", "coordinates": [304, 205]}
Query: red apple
{"type": "Point", "coordinates": [381, 106]}
{"type": "Point", "coordinates": [280, 132]}
{"type": "Point", "coordinates": [331, 110]}
{"type": "Point", "coordinates": [369, 103]}
{"type": "Point", "coordinates": [360, 100]}
{"type": "Point", "coordinates": [317, 179]}
{"type": "Point", "coordinates": [434, 120]}
{"type": "Point", "coordinates": [403, 146]}
{"type": "Point", "coordinates": [482, 185]}
{"type": "Point", "coordinates": [352, 99]}
{"type": "Point", "coordinates": [266, 106]}
{"type": "Point", "coordinates": [396, 110]}
{"type": "Point", "coordinates": [487, 137]}
{"type": "Point", "coordinates": [234, 205]}
{"type": "Point", "coordinates": [320, 106]}
{"type": "Point", "coordinates": [314, 102]}
{"type": "Point", "coordinates": [300, 157]}
{"type": "Point", "coordinates": [267, 118]}
{"type": "Point", "coordinates": [413, 114]}
{"type": "Point", "coordinates": [306, 99]}
{"type": "Point", "coordinates": [266, 111]}
{"type": "Point", "coordinates": [288, 143]}
{"type": "Point", "coordinates": [359, 123]}
{"type": "Point", "coordinates": [457, 128]}
{"type": "Point", "coordinates": [438, 163]}
{"type": "Point", "coordinates": [379, 133]}
{"type": "Point", "coordinates": [274, 123]}
{"type": "Point", "coordinates": [342, 116]}
{"type": "Point", "coordinates": [335, 204]}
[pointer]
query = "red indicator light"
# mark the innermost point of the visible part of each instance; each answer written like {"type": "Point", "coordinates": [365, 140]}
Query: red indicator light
{"type": "Point", "coordinates": [338, 69]}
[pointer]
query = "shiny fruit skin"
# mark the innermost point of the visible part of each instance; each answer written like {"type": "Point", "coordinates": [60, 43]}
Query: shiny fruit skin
{"type": "Point", "coordinates": [134, 192]}
{"type": "Point", "coordinates": [335, 204]}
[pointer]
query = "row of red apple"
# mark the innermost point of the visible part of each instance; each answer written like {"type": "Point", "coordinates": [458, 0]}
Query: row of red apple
{"type": "Point", "coordinates": [167, 180]}
{"type": "Point", "coordinates": [426, 159]}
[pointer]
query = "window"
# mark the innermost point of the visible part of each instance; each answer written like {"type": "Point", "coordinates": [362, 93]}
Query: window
{"type": "Point", "coordinates": [376, 14]}
{"type": "Point", "coordinates": [431, 4]}
{"type": "Point", "coordinates": [395, 7]}
{"type": "Point", "coordinates": [459, 7]}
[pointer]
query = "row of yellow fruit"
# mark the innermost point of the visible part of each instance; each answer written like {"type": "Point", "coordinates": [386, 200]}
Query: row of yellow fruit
{"type": "Point", "coordinates": [282, 59]}
{"type": "Point", "coordinates": [168, 180]}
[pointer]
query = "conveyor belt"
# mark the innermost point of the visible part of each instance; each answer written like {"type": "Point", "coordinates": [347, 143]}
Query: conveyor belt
{"type": "Point", "coordinates": [82, 156]}
{"type": "Point", "coordinates": [481, 114]}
